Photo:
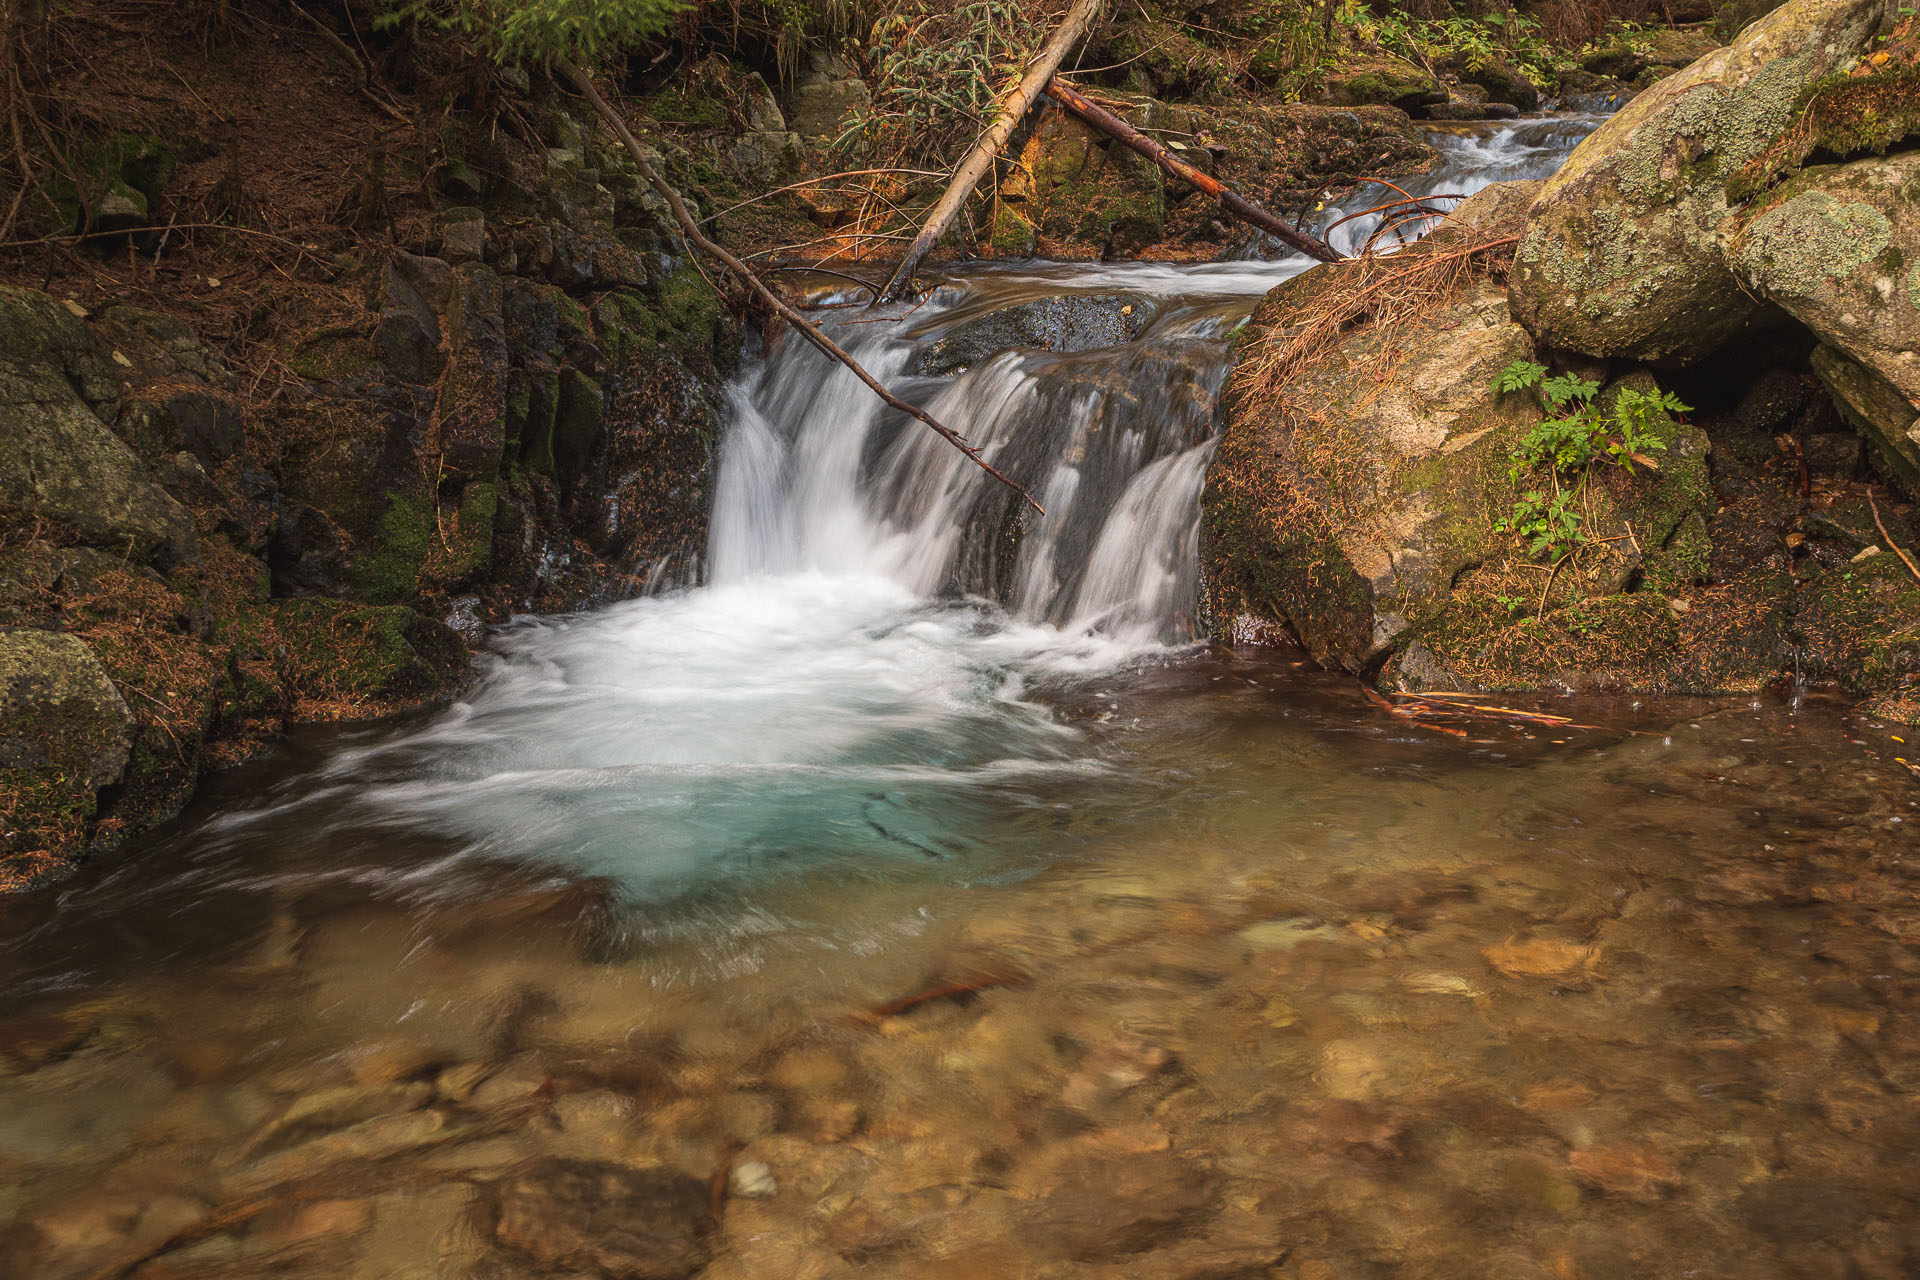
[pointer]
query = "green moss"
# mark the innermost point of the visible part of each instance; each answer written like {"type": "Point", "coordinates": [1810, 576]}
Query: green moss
{"type": "Point", "coordinates": [582, 411]}
{"type": "Point", "coordinates": [345, 658]}
{"type": "Point", "coordinates": [470, 542]}
{"type": "Point", "coordinates": [332, 354]}
{"type": "Point", "coordinates": [402, 542]}
{"type": "Point", "coordinates": [1861, 624]}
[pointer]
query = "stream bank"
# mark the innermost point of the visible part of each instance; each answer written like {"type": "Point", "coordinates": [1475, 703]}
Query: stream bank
{"type": "Point", "coordinates": [1380, 501]}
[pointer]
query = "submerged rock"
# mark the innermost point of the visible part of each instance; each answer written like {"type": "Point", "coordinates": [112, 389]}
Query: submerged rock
{"type": "Point", "coordinates": [646, 1224]}
{"type": "Point", "coordinates": [1064, 323]}
{"type": "Point", "coordinates": [1621, 255]}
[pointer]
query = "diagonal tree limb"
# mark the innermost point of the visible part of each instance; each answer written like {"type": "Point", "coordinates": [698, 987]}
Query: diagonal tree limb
{"type": "Point", "coordinates": [690, 230]}
{"type": "Point", "coordinates": [979, 160]}
{"type": "Point", "coordinates": [1232, 201]}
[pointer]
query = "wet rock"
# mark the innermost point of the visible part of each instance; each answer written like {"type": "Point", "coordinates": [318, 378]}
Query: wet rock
{"type": "Point", "coordinates": [1621, 254]}
{"type": "Point", "coordinates": [1065, 323]}
{"type": "Point", "coordinates": [752, 1180]}
{"type": "Point", "coordinates": [1103, 1198]}
{"type": "Point", "coordinates": [645, 1224]}
{"type": "Point", "coordinates": [378, 1139]}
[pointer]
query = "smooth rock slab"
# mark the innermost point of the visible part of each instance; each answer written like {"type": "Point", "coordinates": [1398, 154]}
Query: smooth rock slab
{"type": "Point", "coordinates": [643, 1224]}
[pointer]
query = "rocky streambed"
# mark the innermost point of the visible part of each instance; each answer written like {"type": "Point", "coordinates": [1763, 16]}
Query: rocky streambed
{"type": "Point", "coordinates": [1288, 988]}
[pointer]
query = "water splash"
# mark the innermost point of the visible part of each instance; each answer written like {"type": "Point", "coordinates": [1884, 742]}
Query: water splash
{"type": "Point", "coordinates": [872, 666]}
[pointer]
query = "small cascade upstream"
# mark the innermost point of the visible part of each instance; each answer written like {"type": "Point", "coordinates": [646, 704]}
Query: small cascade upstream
{"type": "Point", "coordinates": [869, 674]}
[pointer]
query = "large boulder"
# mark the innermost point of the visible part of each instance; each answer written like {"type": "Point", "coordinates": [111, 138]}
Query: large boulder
{"type": "Point", "coordinates": [1837, 248]}
{"type": "Point", "coordinates": [1343, 507]}
{"type": "Point", "coordinates": [1621, 255]}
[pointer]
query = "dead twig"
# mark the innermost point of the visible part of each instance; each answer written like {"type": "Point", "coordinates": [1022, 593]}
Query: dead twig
{"type": "Point", "coordinates": [1893, 546]}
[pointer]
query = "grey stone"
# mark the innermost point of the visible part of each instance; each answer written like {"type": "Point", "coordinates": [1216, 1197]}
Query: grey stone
{"type": "Point", "coordinates": [60, 462]}
{"type": "Point", "coordinates": [1838, 248]}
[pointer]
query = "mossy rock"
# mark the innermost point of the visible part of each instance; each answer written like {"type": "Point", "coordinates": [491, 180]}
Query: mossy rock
{"type": "Point", "coordinates": [351, 660]}
{"type": "Point", "coordinates": [1624, 55]}
{"type": "Point", "coordinates": [65, 732]}
{"type": "Point", "coordinates": [1861, 625]}
{"type": "Point", "coordinates": [1381, 80]}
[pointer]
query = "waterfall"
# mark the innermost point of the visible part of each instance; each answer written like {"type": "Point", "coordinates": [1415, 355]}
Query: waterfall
{"type": "Point", "coordinates": [874, 660]}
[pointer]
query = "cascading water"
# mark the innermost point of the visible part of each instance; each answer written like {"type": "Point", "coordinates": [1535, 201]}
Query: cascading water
{"type": "Point", "coordinates": [856, 683]}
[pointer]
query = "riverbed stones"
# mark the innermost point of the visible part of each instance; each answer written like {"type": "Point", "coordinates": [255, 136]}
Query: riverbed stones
{"type": "Point", "coordinates": [1621, 254]}
{"type": "Point", "coordinates": [645, 1224]}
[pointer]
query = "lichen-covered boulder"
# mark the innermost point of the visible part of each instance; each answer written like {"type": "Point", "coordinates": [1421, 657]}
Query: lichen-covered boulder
{"type": "Point", "coordinates": [1838, 248]}
{"type": "Point", "coordinates": [65, 732]}
{"type": "Point", "coordinates": [1621, 255]}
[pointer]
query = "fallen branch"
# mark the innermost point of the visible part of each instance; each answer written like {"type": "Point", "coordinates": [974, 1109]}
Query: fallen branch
{"type": "Point", "coordinates": [364, 71]}
{"type": "Point", "coordinates": [1893, 546]}
{"type": "Point", "coordinates": [746, 275]}
{"type": "Point", "coordinates": [1230, 200]}
{"type": "Point", "coordinates": [979, 160]}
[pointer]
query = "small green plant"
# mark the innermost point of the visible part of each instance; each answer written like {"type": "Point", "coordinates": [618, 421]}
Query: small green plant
{"type": "Point", "coordinates": [1566, 447]}
{"type": "Point", "coordinates": [539, 31]}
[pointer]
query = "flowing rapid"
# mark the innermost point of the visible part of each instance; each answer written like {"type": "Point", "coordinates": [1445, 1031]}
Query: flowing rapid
{"type": "Point", "coordinates": [868, 666]}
